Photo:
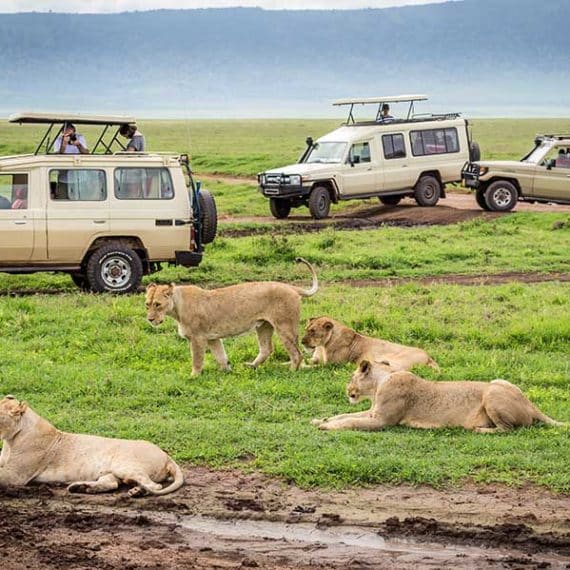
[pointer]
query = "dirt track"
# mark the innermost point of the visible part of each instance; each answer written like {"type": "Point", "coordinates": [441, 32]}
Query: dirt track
{"type": "Point", "coordinates": [234, 520]}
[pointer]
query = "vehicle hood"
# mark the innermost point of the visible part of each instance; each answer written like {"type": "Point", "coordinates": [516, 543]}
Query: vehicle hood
{"type": "Point", "coordinates": [505, 165]}
{"type": "Point", "coordinates": [314, 169]}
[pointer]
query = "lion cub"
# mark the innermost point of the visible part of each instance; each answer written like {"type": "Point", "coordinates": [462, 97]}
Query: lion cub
{"type": "Point", "coordinates": [335, 343]}
{"type": "Point", "coordinates": [401, 398]}
{"type": "Point", "coordinates": [206, 317]}
{"type": "Point", "coordinates": [34, 450]}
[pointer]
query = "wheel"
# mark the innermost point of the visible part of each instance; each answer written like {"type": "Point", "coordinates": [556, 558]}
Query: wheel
{"type": "Point", "coordinates": [279, 208]}
{"type": "Point", "coordinates": [114, 268]}
{"type": "Point", "coordinates": [208, 216]}
{"type": "Point", "coordinates": [319, 202]}
{"type": "Point", "coordinates": [80, 280]}
{"type": "Point", "coordinates": [501, 196]}
{"type": "Point", "coordinates": [474, 151]}
{"type": "Point", "coordinates": [390, 200]}
{"type": "Point", "coordinates": [480, 198]}
{"type": "Point", "coordinates": [427, 191]}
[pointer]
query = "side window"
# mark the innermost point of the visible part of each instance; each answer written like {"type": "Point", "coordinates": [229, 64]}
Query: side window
{"type": "Point", "coordinates": [393, 146]}
{"type": "Point", "coordinates": [434, 141]}
{"type": "Point", "coordinates": [143, 184]}
{"type": "Point", "coordinates": [359, 152]}
{"type": "Point", "coordinates": [78, 185]}
{"type": "Point", "coordinates": [13, 191]}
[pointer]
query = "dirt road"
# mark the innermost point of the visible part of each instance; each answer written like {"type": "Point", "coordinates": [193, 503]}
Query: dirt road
{"type": "Point", "coordinates": [229, 519]}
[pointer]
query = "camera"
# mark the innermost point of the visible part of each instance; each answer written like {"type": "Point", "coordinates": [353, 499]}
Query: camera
{"type": "Point", "coordinates": [73, 137]}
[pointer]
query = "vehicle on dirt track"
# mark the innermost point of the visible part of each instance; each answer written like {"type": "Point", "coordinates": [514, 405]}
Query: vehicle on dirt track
{"type": "Point", "coordinates": [107, 218]}
{"type": "Point", "coordinates": [414, 156]}
{"type": "Point", "coordinates": [543, 175]}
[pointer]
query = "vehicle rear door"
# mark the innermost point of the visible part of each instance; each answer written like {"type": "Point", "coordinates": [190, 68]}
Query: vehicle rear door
{"type": "Point", "coordinates": [395, 167]}
{"type": "Point", "coordinates": [17, 216]}
{"type": "Point", "coordinates": [361, 172]}
{"type": "Point", "coordinates": [77, 212]}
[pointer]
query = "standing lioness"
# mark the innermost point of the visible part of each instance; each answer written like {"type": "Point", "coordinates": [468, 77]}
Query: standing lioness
{"type": "Point", "coordinates": [335, 343]}
{"type": "Point", "coordinates": [206, 317]}
{"type": "Point", "coordinates": [401, 398]}
{"type": "Point", "coordinates": [34, 450]}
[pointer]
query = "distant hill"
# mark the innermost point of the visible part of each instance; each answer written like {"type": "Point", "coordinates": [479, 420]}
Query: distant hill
{"type": "Point", "coordinates": [494, 57]}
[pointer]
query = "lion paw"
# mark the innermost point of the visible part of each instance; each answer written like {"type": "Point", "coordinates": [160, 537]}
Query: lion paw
{"type": "Point", "coordinates": [78, 488]}
{"type": "Point", "coordinates": [136, 492]}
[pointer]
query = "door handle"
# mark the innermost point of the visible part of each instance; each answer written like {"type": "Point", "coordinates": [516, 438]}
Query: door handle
{"type": "Point", "coordinates": [20, 222]}
{"type": "Point", "coordinates": [404, 166]}
{"type": "Point", "coordinates": [182, 222]}
{"type": "Point", "coordinates": [99, 221]}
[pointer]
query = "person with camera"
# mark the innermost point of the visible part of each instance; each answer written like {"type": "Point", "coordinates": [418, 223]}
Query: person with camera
{"type": "Point", "coordinates": [136, 138]}
{"type": "Point", "coordinates": [69, 142]}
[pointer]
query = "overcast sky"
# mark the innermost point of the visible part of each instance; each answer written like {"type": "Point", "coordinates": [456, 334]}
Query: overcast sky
{"type": "Point", "coordinates": [92, 6]}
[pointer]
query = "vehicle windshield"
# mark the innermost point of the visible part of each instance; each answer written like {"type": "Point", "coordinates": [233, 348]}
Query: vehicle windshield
{"type": "Point", "coordinates": [326, 153]}
{"type": "Point", "coordinates": [538, 153]}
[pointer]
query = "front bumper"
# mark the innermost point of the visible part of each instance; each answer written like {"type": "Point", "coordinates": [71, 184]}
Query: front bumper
{"type": "Point", "coordinates": [470, 176]}
{"type": "Point", "coordinates": [284, 190]}
{"type": "Point", "coordinates": [188, 258]}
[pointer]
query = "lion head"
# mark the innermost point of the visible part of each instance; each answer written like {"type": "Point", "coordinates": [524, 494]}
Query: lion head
{"type": "Point", "coordinates": [318, 332]}
{"type": "Point", "coordinates": [364, 381]}
{"type": "Point", "coordinates": [158, 302]}
{"type": "Point", "coordinates": [11, 412]}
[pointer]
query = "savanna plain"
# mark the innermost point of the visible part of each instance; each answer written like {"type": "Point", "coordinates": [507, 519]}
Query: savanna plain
{"type": "Point", "coordinates": [488, 297]}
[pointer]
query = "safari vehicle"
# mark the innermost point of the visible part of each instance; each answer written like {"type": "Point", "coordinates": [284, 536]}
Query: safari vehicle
{"type": "Point", "coordinates": [389, 158]}
{"type": "Point", "coordinates": [543, 175]}
{"type": "Point", "coordinates": [107, 218]}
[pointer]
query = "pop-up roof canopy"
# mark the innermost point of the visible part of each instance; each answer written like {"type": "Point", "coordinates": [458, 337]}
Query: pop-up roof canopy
{"type": "Point", "coordinates": [62, 119]}
{"type": "Point", "coordinates": [411, 99]}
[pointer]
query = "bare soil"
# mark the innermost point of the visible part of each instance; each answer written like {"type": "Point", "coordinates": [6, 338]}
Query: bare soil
{"type": "Point", "coordinates": [232, 519]}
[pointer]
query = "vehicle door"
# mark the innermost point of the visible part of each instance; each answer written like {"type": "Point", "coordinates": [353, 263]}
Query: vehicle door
{"type": "Point", "coordinates": [361, 171]}
{"type": "Point", "coordinates": [146, 205]}
{"type": "Point", "coordinates": [552, 177]}
{"type": "Point", "coordinates": [17, 215]}
{"type": "Point", "coordinates": [395, 167]}
{"type": "Point", "coordinates": [77, 212]}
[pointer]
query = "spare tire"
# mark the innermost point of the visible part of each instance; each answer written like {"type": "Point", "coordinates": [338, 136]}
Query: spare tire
{"type": "Point", "coordinates": [208, 216]}
{"type": "Point", "coordinates": [474, 151]}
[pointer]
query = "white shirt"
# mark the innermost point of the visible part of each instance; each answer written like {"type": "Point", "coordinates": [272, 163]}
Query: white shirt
{"type": "Point", "coordinates": [70, 148]}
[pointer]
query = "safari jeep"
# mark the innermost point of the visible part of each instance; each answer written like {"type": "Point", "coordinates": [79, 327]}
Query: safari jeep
{"type": "Point", "coordinates": [106, 218]}
{"type": "Point", "coordinates": [543, 175]}
{"type": "Point", "coordinates": [387, 157]}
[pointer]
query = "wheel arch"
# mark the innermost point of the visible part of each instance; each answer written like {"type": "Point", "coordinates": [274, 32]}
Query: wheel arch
{"type": "Point", "coordinates": [331, 186]}
{"type": "Point", "coordinates": [513, 181]}
{"type": "Point", "coordinates": [437, 175]}
{"type": "Point", "coordinates": [132, 242]}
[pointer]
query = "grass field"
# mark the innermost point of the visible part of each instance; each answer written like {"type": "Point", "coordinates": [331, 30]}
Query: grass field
{"type": "Point", "coordinates": [92, 364]}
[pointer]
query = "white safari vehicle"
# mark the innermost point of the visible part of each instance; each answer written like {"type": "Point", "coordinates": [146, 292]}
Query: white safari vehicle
{"type": "Point", "coordinates": [388, 157]}
{"type": "Point", "coordinates": [107, 218]}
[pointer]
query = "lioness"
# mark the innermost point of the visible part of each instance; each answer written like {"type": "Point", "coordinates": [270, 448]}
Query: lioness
{"type": "Point", "coordinates": [206, 317]}
{"type": "Point", "coordinates": [34, 450]}
{"type": "Point", "coordinates": [402, 398]}
{"type": "Point", "coordinates": [335, 343]}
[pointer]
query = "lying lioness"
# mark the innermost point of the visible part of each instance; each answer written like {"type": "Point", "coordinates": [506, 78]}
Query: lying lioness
{"type": "Point", "coordinates": [335, 343]}
{"type": "Point", "coordinates": [34, 450]}
{"type": "Point", "coordinates": [401, 398]}
{"type": "Point", "coordinates": [206, 317]}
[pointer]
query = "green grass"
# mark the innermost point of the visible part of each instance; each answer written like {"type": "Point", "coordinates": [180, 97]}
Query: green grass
{"type": "Point", "coordinates": [92, 364]}
{"type": "Point", "coordinates": [245, 147]}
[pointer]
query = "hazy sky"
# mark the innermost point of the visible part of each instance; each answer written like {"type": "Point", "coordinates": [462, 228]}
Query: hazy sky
{"type": "Point", "coordinates": [126, 5]}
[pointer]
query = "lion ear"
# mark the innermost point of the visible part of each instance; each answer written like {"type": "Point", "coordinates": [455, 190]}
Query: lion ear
{"type": "Point", "coordinates": [328, 325]}
{"type": "Point", "coordinates": [23, 407]}
{"type": "Point", "coordinates": [365, 366]}
{"type": "Point", "coordinates": [150, 286]}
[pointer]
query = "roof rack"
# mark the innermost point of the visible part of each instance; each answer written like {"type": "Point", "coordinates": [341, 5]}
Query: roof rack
{"type": "Point", "coordinates": [380, 101]}
{"type": "Point", "coordinates": [63, 119]}
{"type": "Point", "coordinates": [557, 137]}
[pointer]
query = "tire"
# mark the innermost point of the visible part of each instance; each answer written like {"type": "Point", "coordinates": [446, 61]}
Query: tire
{"type": "Point", "coordinates": [208, 216]}
{"type": "Point", "coordinates": [80, 280]}
{"type": "Point", "coordinates": [501, 196]}
{"type": "Point", "coordinates": [319, 202]}
{"type": "Point", "coordinates": [279, 208]}
{"type": "Point", "coordinates": [114, 268]}
{"type": "Point", "coordinates": [390, 200]}
{"type": "Point", "coordinates": [474, 151]}
{"type": "Point", "coordinates": [427, 191]}
{"type": "Point", "coordinates": [480, 198]}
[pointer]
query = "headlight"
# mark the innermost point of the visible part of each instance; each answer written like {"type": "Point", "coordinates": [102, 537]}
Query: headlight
{"type": "Point", "coordinates": [261, 179]}
{"type": "Point", "coordinates": [295, 180]}
{"type": "Point", "coordinates": [483, 170]}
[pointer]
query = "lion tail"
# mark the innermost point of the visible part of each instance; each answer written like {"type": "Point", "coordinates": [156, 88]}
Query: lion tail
{"type": "Point", "coordinates": [433, 364]}
{"type": "Point", "coordinates": [177, 476]}
{"type": "Point", "coordinates": [545, 419]}
{"type": "Point", "coordinates": [315, 286]}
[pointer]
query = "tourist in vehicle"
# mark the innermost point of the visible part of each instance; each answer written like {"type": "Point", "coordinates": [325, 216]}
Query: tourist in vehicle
{"type": "Point", "coordinates": [136, 139]}
{"type": "Point", "coordinates": [385, 116]}
{"type": "Point", "coordinates": [70, 142]}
